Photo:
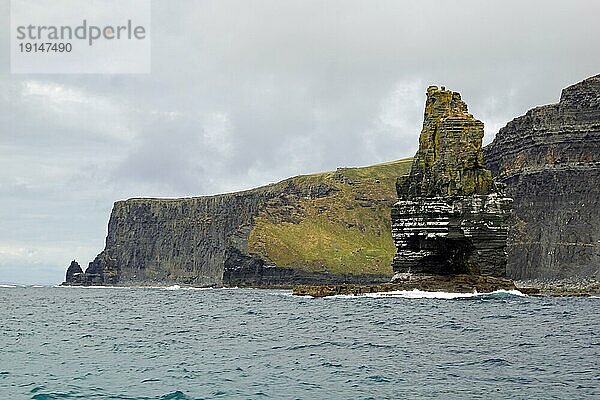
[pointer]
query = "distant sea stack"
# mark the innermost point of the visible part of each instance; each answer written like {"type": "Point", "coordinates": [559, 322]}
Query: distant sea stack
{"type": "Point", "coordinates": [451, 217]}
{"type": "Point", "coordinates": [549, 160]}
{"type": "Point", "coordinates": [331, 227]}
{"type": "Point", "coordinates": [74, 272]}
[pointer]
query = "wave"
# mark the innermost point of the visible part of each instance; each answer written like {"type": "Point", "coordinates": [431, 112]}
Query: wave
{"type": "Point", "coordinates": [178, 395]}
{"type": "Point", "coordinates": [8, 286]}
{"type": "Point", "coordinates": [420, 294]}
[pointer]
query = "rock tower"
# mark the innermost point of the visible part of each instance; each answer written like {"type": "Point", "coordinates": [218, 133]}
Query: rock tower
{"type": "Point", "coordinates": [451, 217]}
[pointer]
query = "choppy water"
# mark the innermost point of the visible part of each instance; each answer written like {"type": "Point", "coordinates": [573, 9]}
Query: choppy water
{"type": "Point", "coordinates": [78, 343]}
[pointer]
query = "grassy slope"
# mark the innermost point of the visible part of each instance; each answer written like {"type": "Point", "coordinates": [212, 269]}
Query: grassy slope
{"type": "Point", "coordinates": [347, 231]}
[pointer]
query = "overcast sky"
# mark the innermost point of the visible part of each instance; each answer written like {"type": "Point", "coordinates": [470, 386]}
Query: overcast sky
{"type": "Point", "coordinates": [244, 93]}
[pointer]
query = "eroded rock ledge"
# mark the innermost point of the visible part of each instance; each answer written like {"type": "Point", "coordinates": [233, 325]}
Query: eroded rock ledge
{"type": "Point", "coordinates": [428, 283]}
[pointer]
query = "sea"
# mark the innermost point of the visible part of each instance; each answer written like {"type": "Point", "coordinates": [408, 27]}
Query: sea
{"type": "Point", "coordinates": [185, 343]}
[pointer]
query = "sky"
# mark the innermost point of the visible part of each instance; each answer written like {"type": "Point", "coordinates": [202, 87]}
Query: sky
{"type": "Point", "coordinates": [245, 93]}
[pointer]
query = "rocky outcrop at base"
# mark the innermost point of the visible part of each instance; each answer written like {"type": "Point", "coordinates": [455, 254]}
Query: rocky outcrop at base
{"type": "Point", "coordinates": [426, 283]}
{"type": "Point", "coordinates": [451, 217]}
{"type": "Point", "coordinates": [560, 287]}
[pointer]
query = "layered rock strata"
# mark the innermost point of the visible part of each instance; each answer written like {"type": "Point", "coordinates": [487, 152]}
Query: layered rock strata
{"type": "Point", "coordinates": [549, 160]}
{"type": "Point", "coordinates": [451, 217]}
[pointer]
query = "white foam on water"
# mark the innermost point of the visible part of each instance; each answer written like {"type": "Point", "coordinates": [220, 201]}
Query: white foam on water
{"type": "Point", "coordinates": [286, 293]}
{"type": "Point", "coordinates": [177, 287]}
{"type": "Point", "coordinates": [420, 294]}
{"type": "Point", "coordinates": [8, 286]}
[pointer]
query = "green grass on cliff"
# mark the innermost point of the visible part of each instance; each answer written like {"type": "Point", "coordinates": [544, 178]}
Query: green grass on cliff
{"type": "Point", "coordinates": [347, 231]}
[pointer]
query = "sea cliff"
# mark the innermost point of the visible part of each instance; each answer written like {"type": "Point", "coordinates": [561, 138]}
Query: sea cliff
{"type": "Point", "coordinates": [549, 160]}
{"type": "Point", "coordinates": [331, 227]}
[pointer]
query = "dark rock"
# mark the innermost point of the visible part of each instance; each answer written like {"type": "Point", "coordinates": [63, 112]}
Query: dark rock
{"type": "Point", "coordinates": [549, 160]}
{"type": "Point", "coordinates": [451, 217]}
{"type": "Point", "coordinates": [246, 271]}
{"type": "Point", "coordinates": [74, 272]}
{"type": "Point", "coordinates": [451, 235]}
{"type": "Point", "coordinates": [530, 291]}
{"type": "Point", "coordinates": [560, 287]}
{"type": "Point", "coordinates": [427, 283]}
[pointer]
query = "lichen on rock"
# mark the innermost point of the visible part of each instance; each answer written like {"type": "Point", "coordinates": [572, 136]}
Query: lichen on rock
{"type": "Point", "coordinates": [449, 161]}
{"type": "Point", "coordinates": [451, 216]}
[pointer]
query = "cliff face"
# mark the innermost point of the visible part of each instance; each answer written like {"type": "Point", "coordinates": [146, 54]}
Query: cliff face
{"type": "Point", "coordinates": [302, 230]}
{"type": "Point", "coordinates": [152, 241]}
{"type": "Point", "coordinates": [451, 218]}
{"type": "Point", "coordinates": [549, 159]}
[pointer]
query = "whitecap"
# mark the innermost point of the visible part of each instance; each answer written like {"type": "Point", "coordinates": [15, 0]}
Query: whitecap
{"type": "Point", "coordinates": [286, 293]}
{"type": "Point", "coordinates": [8, 286]}
{"type": "Point", "coordinates": [177, 287]}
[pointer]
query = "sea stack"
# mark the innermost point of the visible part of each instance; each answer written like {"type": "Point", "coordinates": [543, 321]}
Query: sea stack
{"type": "Point", "coordinates": [451, 217]}
{"type": "Point", "coordinates": [74, 272]}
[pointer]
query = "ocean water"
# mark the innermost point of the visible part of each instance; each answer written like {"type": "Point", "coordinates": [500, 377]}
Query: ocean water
{"type": "Point", "coordinates": [119, 343]}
